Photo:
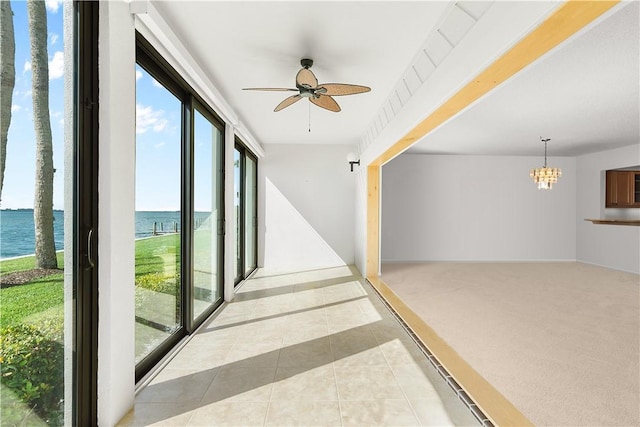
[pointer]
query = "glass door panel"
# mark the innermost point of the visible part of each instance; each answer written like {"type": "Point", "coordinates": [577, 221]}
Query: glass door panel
{"type": "Point", "coordinates": [207, 215]}
{"type": "Point", "coordinates": [40, 220]}
{"type": "Point", "coordinates": [245, 212]}
{"type": "Point", "coordinates": [237, 179]}
{"type": "Point", "coordinates": [250, 215]}
{"type": "Point", "coordinates": [158, 214]}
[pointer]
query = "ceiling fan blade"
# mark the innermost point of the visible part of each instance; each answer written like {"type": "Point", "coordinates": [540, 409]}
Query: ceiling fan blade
{"type": "Point", "coordinates": [338, 89]}
{"type": "Point", "coordinates": [306, 78]}
{"type": "Point", "coordinates": [288, 101]}
{"type": "Point", "coordinates": [325, 102]}
{"type": "Point", "coordinates": [271, 89]}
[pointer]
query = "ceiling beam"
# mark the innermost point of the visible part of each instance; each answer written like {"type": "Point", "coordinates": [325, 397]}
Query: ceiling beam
{"type": "Point", "coordinates": [567, 20]}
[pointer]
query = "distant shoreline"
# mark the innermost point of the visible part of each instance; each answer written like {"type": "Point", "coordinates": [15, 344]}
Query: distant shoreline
{"type": "Point", "coordinates": [24, 256]}
{"type": "Point", "coordinates": [18, 238]}
{"type": "Point", "coordinates": [62, 250]}
{"type": "Point", "coordinates": [25, 209]}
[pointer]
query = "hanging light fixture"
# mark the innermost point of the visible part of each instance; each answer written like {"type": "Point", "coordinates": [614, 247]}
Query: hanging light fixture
{"type": "Point", "coordinates": [545, 177]}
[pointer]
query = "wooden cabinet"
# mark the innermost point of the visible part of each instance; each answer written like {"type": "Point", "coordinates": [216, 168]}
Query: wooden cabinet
{"type": "Point", "coordinates": [623, 189]}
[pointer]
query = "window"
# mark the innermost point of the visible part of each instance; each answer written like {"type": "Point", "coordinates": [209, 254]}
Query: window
{"type": "Point", "coordinates": [208, 213]}
{"type": "Point", "coordinates": [179, 208]}
{"type": "Point", "coordinates": [245, 211]}
{"type": "Point", "coordinates": [158, 214]}
{"type": "Point", "coordinates": [250, 214]}
{"type": "Point", "coordinates": [48, 323]}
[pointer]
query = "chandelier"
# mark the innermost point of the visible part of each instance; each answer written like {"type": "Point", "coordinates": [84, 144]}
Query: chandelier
{"type": "Point", "coordinates": [545, 177]}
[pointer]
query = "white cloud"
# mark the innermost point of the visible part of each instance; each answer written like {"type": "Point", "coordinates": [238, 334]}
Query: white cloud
{"type": "Point", "coordinates": [156, 83]}
{"type": "Point", "coordinates": [52, 5]}
{"type": "Point", "coordinates": [27, 66]}
{"type": "Point", "coordinates": [15, 108]}
{"type": "Point", "coordinates": [56, 66]}
{"type": "Point", "coordinates": [147, 118]}
{"type": "Point", "coordinates": [138, 75]}
{"type": "Point", "coordinates": [53, 38]}
{"type": "Point", "coordinates": [159, 145]}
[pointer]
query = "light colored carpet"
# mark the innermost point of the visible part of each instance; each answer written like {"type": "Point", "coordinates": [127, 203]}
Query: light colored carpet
{"type": "Point", "coordinates": [558, 340]}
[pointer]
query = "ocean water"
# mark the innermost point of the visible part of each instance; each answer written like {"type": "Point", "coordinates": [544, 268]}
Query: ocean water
{"type": "Point", "coordinates": [17, 237]}
{"type": "Point", "coordinates": [166, 222]}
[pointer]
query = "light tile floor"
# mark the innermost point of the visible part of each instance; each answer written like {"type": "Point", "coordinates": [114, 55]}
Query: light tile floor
{"type": "Point", "coordinates": [315, 348]}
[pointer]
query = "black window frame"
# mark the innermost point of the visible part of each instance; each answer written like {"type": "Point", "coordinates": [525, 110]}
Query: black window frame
{"type": "Point", "coordinates": [148, 58]}
{"type": "Point", "coordinates": [241, 273]}
{"type": "Point", "coordinates": [208, 114]}
{"type": "Point", "coordinates": [85, 213]}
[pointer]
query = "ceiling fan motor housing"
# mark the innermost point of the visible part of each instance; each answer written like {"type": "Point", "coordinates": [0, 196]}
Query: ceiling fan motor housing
{"type": "Point", "coordinates": [306, 63]}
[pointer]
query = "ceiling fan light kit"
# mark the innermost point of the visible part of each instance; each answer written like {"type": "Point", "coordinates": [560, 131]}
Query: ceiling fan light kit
{"type": "Point", "coordinates": [319, 94]}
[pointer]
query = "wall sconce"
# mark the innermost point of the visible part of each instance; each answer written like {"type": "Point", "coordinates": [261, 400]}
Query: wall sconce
{"type": "Point", "coordinates": [351, 158]}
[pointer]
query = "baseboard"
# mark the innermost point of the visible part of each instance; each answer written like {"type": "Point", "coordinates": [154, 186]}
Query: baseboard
{"type": "Point", "coordinates": [607, 267]}
{"type": "Point", "coordinates": [414, 261]}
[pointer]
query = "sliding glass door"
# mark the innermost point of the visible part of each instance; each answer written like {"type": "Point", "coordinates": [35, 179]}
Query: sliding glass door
{"type": "Point", "coordinates": [245, 211]}
{"type": "Point", "coordinates": [179, 208]}
{"type": "Point", "coordinates": [48, 181]}
{"type": "Point", "coordinates": [207, 221]}
{"type": "Point", "coordinates": [250, 214]}
{"type": "Point", "coordinates": [158, 213]}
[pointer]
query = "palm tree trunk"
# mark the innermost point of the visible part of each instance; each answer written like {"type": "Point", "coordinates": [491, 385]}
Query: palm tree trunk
{"type": "Point", "coordinates": [43, 203]}
{"type": "Point", "coordinates": [7, 79]}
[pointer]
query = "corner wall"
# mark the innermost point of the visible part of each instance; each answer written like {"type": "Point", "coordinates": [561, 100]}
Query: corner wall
{"type": "Point", "coordinates": [306, 208]}
{"type": "Point", "coordinates": [475, 208]}
{"type": "Point", "coordinates": [612, 246]}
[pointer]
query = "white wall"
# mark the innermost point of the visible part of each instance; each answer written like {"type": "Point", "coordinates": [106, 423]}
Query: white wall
{"type": "Point", "coordinates": [504, 24]}
{"type": "Point", "coordinates": [613, 246]}
{"type": "Point", "coordinates": [305, 207]}
{"type": "Point", "coordinates": [116, 223]}
{"type": "Point", "coordinates": [475, 208]}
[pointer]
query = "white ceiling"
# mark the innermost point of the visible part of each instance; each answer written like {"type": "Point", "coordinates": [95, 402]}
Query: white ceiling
{"type": "Point", "coordinates": [584, 95]}
{"type": "Point", "coordinates": [260, 44]}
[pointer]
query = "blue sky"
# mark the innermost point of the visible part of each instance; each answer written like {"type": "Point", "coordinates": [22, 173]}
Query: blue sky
{"type": "Point", "coordinates": [18, 190]}
{"type": "Point", "coordinates": [158, 127]}
{"type": "Point", "coordinates": [157, 146]}
{"type": "Point", "coordinates": [157, 131]}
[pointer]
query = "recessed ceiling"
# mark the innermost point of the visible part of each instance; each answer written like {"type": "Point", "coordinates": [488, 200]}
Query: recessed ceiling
{"type": "Point", "coordinates": [260, 44]}
{"type": "Point", "coordinates": [583, 95]}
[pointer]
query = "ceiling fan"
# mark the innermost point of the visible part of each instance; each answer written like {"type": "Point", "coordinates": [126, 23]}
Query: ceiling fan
{"type": "Point", "coordinates": [308, 87]}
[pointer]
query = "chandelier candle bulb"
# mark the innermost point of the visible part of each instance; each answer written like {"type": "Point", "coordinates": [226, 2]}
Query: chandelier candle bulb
{"type": "Point", "coordinates": [545, 177]}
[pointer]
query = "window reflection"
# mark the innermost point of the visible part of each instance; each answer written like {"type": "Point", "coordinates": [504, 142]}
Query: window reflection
{"type": "Point", "coordinates": [207, 216]}
{"type": "Point", "coordinates": [158, 216]}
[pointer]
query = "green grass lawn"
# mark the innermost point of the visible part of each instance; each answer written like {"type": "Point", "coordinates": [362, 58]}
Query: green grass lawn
{"type": "Point", "coordinates": [29, 301]}
{"type": "Point", "coordinates": [25, 263]}
{"type": "Point", "coordinates": [153, 254]}
{"type": "Point", "coordinates": [31, 330]}
{"type": "Point", "coordinates": [24, 302]}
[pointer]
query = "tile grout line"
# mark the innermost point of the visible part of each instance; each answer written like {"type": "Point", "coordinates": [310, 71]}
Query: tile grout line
{"type": "Point", "coordinates": [460, 393]}
{"type": "Point", "coordinates": [404, 393]}
{"type": "Point", "coordinates": [333, 365]}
